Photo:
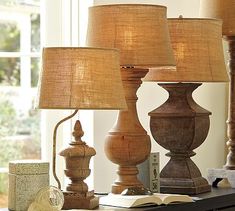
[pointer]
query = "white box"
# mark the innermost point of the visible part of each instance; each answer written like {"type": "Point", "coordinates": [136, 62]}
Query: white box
{"type": "Point", "coordinates": [26, 178]}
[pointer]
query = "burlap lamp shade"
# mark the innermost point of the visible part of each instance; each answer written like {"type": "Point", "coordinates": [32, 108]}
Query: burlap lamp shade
{"type": "Point", "coordinates": [80, 78]}
{"type": "Point", "coordinates": [139, 31]}
{"type": "Point", "coordinates": [198, 51]}
{"type": "Point", "coordinates": [222, 9]}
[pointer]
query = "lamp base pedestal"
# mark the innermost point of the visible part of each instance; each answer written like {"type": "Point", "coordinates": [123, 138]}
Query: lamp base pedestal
{"type": "Point", "coordinates": [77, 158]}
{"type": "Point", "coordinates": [190, 186]}
{"type": "Point", "coordinates": [180, 125]}
{"type": "Point", "coordinates": [118, 188]}
{"type": "Point", "coordinates": [73, 200]}
{"type": "Point", "coordinates": [121, 183]}
{"type": "Point", "coordinates": [182, 176]}
{"type": "Point", "coordinates": [127, 143]}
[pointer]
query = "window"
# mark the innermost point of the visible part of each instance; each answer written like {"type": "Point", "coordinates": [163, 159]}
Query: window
{"type": "Point", "coordinates": [63, 23]}
{"type": "Point", "coordinates": [19, 67]}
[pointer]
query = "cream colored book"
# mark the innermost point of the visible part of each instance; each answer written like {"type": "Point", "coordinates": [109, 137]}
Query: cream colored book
{"type": "Point", "coordinates": [118, 200]}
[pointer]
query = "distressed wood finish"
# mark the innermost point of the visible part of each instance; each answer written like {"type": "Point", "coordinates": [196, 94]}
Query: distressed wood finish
{"type": "Point", "coordinates": [180, 126]}
{"type": "Point", "coordinates": [230, 163]}
{"type": "Point", "coordinates": [77, 159]}
{"type": "Point", "coordinates": [128, 143]}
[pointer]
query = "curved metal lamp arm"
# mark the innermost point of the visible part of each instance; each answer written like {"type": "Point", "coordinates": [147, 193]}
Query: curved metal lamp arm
{"type": "Point", "coordinates": [54, 146]}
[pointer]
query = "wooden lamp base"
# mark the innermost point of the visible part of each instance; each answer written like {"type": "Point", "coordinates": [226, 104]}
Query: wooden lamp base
{"type": "Point", "coordinates": [77, 158]}
{"type": "Point", "coordinates": [74, 200]}
{"type": "Point", "coordinates": [127, 143]}
{"type": "Point", "coordinates": [127, 177]}
{"type": "Point", "coordinates": [180, 126]}
{"type": "Point", "coordinates": [181, 175]}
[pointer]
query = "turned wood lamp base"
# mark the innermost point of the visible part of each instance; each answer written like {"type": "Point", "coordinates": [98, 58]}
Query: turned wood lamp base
{"type": "Point", "coordinates": [127, 143]}
{"type": "Point", "coordinates": [77, 158]}
{"type": "Point", "coordinates": [131, 181]}
{"type": "Point", "coordinates": [180, 126]}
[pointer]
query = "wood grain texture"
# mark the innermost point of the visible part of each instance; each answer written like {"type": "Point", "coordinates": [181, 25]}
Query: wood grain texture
{"type": "Point", "coordinates": [180, 126]}
{"type": "Point", "coordinates": [77, 158]}
{"type": "Point", "coordinates": [128, 143]}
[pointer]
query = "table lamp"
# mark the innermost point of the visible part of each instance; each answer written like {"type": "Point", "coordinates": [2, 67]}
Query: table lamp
{"type": "Point", "coordinates": [180, 125]}
{"type": "Point", "coordinates": [225, 10]}
{"type": "Point", "coordinates": [79, 78]}
{"type": "Point", "coordinates": [141, 34]}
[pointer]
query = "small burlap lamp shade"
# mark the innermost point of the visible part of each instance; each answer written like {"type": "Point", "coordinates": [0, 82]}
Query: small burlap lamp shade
{"type": "Point", "coordinates": [198, 51]}
{"type": "Point", "coordinates": [140, 32]}
{"type": "Point", "coordinates": [223, 9]}
{"type": "Point", "coordinates": [84, 78]}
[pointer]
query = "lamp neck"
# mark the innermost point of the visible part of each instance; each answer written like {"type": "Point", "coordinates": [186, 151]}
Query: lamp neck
{"type": "Point", "coordinates": [131, 78]}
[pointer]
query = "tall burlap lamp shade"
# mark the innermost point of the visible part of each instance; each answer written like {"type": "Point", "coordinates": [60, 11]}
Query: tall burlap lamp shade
{"type": "Point", "coordinates": [225, 10]}
{"type": "Point", "coordinates": [79, 78]}
{"type": "Point", "coordinates": [141, 34]}
{"type": "Point", "coordinates": [180, 125]}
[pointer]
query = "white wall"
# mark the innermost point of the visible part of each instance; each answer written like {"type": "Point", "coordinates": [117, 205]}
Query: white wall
{"type": "Point", "coordinates": [211, 96]}
{"type": "Point", "coordinates": [55, 32]}
{"type": "Point", "coordinates": [51, 35]}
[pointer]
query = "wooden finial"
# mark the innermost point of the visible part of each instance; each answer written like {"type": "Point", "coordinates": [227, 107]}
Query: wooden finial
{"type": "Point", "coordinates": [78, 132]}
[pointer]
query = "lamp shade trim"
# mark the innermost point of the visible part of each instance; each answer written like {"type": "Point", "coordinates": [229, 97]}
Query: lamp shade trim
{"type": "Point", "coordinates": [131, 5]}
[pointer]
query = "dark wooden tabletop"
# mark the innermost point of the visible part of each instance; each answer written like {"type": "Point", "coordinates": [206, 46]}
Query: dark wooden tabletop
{"type": "Point", "coordinates": [218, 199]}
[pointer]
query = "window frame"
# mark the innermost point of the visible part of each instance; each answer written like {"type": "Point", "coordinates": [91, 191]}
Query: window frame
{"type": "Point", "coordinates": [21, 16]}
{"type": "Point", "coordinates": [60, 26]}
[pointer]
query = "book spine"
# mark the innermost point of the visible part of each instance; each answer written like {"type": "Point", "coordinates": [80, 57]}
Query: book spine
{"type": "Point", "coordinates": [154, 178]}
{"type": "Point", "coordinates": [149, 172]}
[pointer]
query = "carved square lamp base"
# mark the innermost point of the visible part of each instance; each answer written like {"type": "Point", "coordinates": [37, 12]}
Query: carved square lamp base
{"type": "Point", "coordinates": [182, 176]}
{"type": "Point", "coordinates": [189, 186]}
{"type": "Point", "coordinates": [74, 200]}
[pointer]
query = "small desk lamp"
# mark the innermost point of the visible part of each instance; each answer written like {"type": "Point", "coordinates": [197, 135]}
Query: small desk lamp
{"type": "Point", "coordinates": [141, 33]}
{"type": "Point", "coordinates": [180, 125]}
{"type": "Point", "coordinates": [225, 10]}
{"type": "Point", "coordinates": [79, 78]}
